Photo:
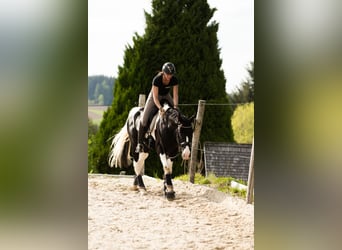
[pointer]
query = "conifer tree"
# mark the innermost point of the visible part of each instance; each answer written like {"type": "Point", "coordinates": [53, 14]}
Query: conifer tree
{"type": "Point", "coordinates": [180, 32]}
{"type": "Point", "coordinates": [245, 92]}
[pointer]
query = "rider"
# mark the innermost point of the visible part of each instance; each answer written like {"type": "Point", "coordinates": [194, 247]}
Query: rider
{"type": "Point", "coordinates": [161, 85]}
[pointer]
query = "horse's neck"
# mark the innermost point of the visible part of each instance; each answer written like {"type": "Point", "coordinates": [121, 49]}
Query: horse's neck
{"type": "Point", "coordinates": [155, 117]}
{"type": "Point", "coordinates": [155, 120]}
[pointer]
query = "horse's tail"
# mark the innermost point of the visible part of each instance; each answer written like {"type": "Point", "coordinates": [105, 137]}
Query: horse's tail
{"type": "Point", "coordinates": [119, 155]}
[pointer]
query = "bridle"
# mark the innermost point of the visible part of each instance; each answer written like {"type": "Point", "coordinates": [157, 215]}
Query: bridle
{"type": "Point", "coordinates": [181, 140]}
{"type": "Point", "coordinates": [183, 143]}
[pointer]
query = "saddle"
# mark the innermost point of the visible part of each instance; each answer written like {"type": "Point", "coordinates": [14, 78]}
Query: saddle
{"type": "Point", "coordinates": [150, 129]}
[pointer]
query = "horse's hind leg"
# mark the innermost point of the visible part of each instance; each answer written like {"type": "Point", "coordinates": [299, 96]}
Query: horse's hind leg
{"type": "Point", "coordinates": [141, 183]}
{"type": "Point", "coordinates": [138, 183]}
{"type": "Point", "coordinates": [135, 184]}
{"type": "Point", "coordinates": [139, 167]}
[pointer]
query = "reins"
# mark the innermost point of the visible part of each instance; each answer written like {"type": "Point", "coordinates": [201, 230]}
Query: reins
{"type": "Point", "coordinates": [183, 144]}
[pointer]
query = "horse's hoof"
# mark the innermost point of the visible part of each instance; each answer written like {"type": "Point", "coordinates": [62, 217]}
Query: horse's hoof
{"type": "Point", "coordinates": [134, 188]}
{"type": "Point", "coordinates": [142, 190]}
{"type": "Point", "coordinates": [170, 195]}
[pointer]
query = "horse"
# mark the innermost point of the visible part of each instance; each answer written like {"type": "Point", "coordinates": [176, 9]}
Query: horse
{"type": "Point", "coordinates": [170, 133]}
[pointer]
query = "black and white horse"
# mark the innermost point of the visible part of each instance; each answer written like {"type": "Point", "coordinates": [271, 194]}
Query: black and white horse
{"type": "Point", "coordinates": [170, 133]}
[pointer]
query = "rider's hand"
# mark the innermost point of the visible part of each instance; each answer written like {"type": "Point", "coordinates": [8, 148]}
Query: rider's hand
{"type": "Point", "coordinates": [162, 111]}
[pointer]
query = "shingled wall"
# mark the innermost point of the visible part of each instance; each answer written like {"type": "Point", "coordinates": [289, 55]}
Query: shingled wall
{"type": "Point", "coordinates": [227, 159]}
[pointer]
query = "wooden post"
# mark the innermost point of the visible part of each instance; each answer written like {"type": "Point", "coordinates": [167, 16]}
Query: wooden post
{"type": "Point", "coordinates": [195, 140]}
{"type": "Point", "coordinates": [142, 100]}
{"type": "Point", "coordinates": [250, 186]}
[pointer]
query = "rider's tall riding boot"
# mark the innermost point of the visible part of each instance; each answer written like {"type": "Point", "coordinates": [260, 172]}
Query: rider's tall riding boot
{"type": "Point", "coordinates": [141, 136]}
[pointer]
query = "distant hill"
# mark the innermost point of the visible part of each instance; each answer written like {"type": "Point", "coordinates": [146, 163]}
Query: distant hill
{"type": "Point", "coordinates": [100, 90]}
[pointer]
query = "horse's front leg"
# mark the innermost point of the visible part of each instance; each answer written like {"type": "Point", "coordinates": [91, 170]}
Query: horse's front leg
{"type": "Point", "coordinates": [168, 187]}
{"type": "Point", "coordinates": [139, 168]}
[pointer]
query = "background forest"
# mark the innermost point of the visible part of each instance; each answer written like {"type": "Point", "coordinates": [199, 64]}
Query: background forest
{"type": "Point", "coordinates": [100, 90]}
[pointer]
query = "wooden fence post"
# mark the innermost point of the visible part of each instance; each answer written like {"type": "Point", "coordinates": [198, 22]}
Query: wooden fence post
{"type": "Point", "coordinates": [195, 140]}
{"type": "Point", "coordinates": [142, 100]}
{"type": "Point", "coordinates": [250, 186]}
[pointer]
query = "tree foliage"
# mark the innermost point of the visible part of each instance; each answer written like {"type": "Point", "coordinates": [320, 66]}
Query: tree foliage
{"type": "Point", "coordinates": [243, 123]}
{"type": "Point", "coordinates": [92, 130]}
{"type": "Point", "coordinates": [181, 32]}
{"type": "Point", "coordinates": [100, 90]}
{"type": "Point", "coordinates": [245, 92]}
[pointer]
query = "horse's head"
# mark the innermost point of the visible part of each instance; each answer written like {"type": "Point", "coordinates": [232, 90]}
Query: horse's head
{"type": "Point", "coordinates": [179, 127]}
{"type": "Point", "coordinates": [185, 135]}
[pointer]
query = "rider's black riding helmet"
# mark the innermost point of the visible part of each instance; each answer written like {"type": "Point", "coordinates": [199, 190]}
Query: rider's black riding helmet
{"type": "Point", "coordinates": [169, 68]}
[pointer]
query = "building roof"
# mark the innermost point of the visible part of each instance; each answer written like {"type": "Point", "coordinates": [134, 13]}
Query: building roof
{"type": "Point", "coordinates": [227, 159]}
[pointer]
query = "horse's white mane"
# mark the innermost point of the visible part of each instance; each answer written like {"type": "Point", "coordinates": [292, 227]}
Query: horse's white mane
{"type": "Point", "coordinates": [166, 106]}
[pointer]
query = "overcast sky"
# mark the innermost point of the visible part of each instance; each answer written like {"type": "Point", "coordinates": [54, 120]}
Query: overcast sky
{"type": "Point", "coordinates": [112, 24]}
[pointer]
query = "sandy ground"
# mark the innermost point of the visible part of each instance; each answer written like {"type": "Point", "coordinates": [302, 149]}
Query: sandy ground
{"type": "Point", "coordinates": [199, 218]}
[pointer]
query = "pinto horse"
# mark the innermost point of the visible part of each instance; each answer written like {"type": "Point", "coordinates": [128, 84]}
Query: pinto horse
{"type": "Point", "coordinates": [170, 133]}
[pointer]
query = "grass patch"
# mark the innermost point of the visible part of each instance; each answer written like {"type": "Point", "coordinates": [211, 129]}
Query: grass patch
{"type": "Point", "coordinates": [96, 111]}
{"type": "Point", "coordinates": [220, 183]}
{"type": "Point", "coordinates": [97, 121]}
